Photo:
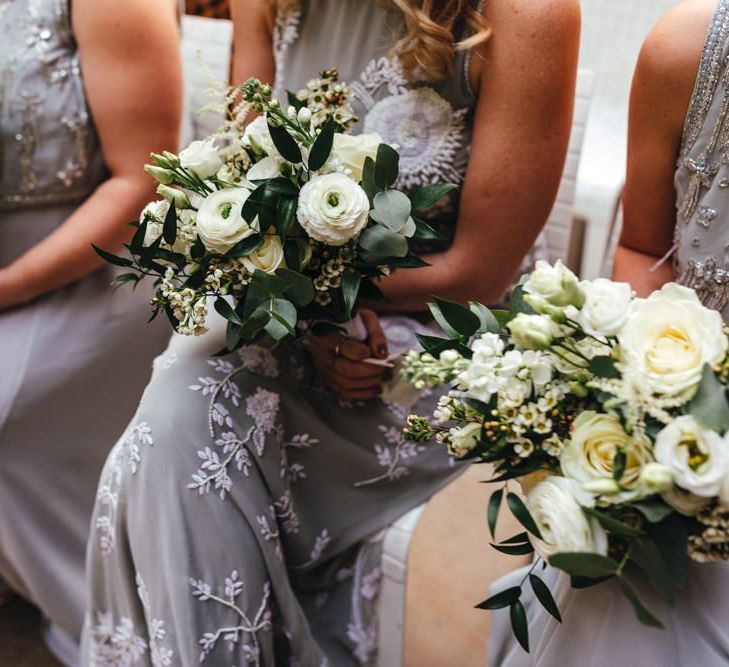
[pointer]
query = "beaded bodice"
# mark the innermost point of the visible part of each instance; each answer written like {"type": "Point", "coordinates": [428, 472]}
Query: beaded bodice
{"type": "Point", "coordinates": [49, 149]}
{"type": "Point", "coordinates": [702, 176]}
{"type": "Point", "coordinates": [430, 123]}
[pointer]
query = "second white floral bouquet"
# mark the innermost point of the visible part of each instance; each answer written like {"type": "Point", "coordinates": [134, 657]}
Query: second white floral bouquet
{"type": "Point", "coordinates": [290, 215]}
{"type": "Point", "coordinates": [611, 412]}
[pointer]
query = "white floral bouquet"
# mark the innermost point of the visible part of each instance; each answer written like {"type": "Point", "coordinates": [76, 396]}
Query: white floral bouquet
{"type": "Point", "coordinates": [610, 411]}
{"type": "Point", "coordinates": [285, 219]}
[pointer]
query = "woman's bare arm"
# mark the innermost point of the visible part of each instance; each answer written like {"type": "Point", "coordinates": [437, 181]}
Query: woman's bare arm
{"type": "Point", "coordinates": [662, 86]}
{"type": "Point", "coordinates": [131, 66]}
{"type": "Point", "coordinates": [521, 131]}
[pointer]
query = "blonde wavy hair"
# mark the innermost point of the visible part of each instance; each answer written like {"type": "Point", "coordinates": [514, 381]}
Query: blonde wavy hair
{"type": "Point", "coordinates": [427, 49]}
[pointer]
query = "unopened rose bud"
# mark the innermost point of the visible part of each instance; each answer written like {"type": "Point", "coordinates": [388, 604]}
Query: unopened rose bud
{"type": "Point", "coordinates": [532, 332]}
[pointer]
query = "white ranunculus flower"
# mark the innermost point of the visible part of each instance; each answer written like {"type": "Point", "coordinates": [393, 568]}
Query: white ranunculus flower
{"type": "Point", "coordinates": [268, 257]}
{"type": "Point", "coordinates": [555, 284]}
{"type": "Point", "coordinates": [589, 455]}
{"type": "Point", "coordinates": [556, 506]}
{"type": "Point", "coordinates": [532, 332]}
{"type": "Point", "coordinates": [668, 339]}
{"type": "Point", "coordinates": [258, 136]}
{"type": "Point", "coordinates": [464, 439]}
{"type": "Point", "coordinates": [352, 149]}
{"type": "Point", "coordinates": [202, 158]}
{"type": "Point", "coordinates": [698, 457]}
{"type": "Point", "coordinates": [220, 222]}
{"type": "Point", "coordinates": [606, 307]}
{"type": "Point", "coordinates": [332, 209]}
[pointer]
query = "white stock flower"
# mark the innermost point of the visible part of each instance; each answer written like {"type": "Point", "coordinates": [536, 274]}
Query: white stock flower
{"type": "Point", "coordinates": [202, 158]}
{"type": "Point", "coordinates": [668, 339]}
{"type": "Point", "coordinates": [556, 506]}
{"type": "Point", "coordinates": [258, 136]}
{"type": "Point", "coordinates": [555, 284]}
{"type": "Point", "coordinates": [464, 439]}
{"type": "Point", "coordinates": [352, 149]}
{"type": "Point", "coordinates": [697, 457]}
{"type": "Point", "coordinates": [532, 332]}
{"type": "Point", "coordinates": [606, 307]}
{"type": "Point", "coordinates": [220, 221]}
{"type": "Point", "coordinates": [589, 455]}
{"type": "Point", "coordinates": [268, 257]}
{"type": "Point", "coordinates": [332, 209]}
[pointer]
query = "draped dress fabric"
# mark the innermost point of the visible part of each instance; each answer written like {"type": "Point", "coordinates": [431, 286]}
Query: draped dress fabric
{"type": "Point", "coordinates": [600, 628]}
{"type": "Point", "coordinates": [239, 519]}
{"type": "Point", "coordinates": [72, 363]}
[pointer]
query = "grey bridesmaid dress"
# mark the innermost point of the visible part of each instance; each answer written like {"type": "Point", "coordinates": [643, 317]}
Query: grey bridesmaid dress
{"type": "Point", "coordinates": [600, 628]}
{"type": "Point", "coordinates": [239, 520]}
{"type": "Point", "coordinates": [72, 363]}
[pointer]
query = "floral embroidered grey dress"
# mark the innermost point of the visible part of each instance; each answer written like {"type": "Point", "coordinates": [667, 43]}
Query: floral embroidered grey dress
{"type": "Point", "coordinates": [600, 628]}
{"type": "Point", "coordinates": [71, 367]}
{"type": "Point", "coordinates": [237, 520]}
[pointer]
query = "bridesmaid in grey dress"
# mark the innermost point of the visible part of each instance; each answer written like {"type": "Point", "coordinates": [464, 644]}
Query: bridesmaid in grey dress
{"type": "Point", "coordinates": [238, 520]}
{"type": "Point", "coordinates": [676, 203]}
{"type": "Point", "coordinates": [73, 358]}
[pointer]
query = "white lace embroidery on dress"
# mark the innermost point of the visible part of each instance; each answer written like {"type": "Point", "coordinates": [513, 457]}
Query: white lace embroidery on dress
{"type": "Point", "coordinates": [126, 453]}
{"type": "Point", "coordinates": [428, 132]}
{"type": "Point", "coordinates": [285, 32]}
{"type": "Point", "coordinates": [160, 654]}
{"type": "Point", "coordinates": [393, 455]}
{"type": "Point", "coordinates": [243, 628]}
{"type": "Point", "coordinates": [115, 645]}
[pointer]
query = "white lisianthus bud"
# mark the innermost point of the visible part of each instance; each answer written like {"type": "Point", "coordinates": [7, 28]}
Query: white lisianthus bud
{"type": "Point", "coordinates": [449, 356]}
{"type": "Point", "coordinates": [181, 200]}
{"type": "Point", "coordinates": [602, 487]}
{"type": "Point", "coordinates": [532, 332]}
{"type": "Point", "coordinates": [463, 440]}
{"type": "Point", "coordinates": [332, 209]}
{"type": "Point", "coordinates": [556, 284]}
{"type": "Point", "coordinates": [656, 478]}
{"type": "Point", "coordinates": [268, 257]}
{"type": "Point", "coordinates": [220, 222]}
{"type": "Point", "coordinates": [164, 176]}
{"type": "Point", "coordinates": [304, 116]}
{"type": "Point", "coordinates": [543, 307]}
{"type": "Point", "coordinates": [201, 157]}
{"type": "Point", "coordinates": [697, 457]}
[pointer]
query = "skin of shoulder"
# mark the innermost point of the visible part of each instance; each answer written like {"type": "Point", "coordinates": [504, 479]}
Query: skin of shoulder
{"type": "Point", "coordinates": [663, 83]}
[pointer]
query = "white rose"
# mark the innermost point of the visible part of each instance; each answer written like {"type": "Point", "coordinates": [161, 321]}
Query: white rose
{"type": "Point", "coordinates": [698, 457]}
{"type": "Point", "coordinates": [351, 150]}
{"type": "Point", "coordinates": [684, 502]}
{"type": "Point", "coordinates": [589, 455]}
{"type": "Point", "coordinates": [555, 284]}
{"type": "Point", "coordinates": [154, 213]}
{"type": "Point", "coordinates": [220, 223]}
{"type": "Point", "coordinates": [668, 339]}
{"type": "Point", "coordinates": [258, 136]}
{"type": "Point", "coordinates": [556, 506]}
{"type": "Point", "coordinates": [606, 307]}
{"type": "Point", "coordinates": [332, 209]}
{"type": "Point", "coordinates": [268, 257]}
{"type": "Point", "coordinates": [656, 478]}
{"type": "Point", "coordinates": [532, 332]}
{"type": "Point", "coordinates": [464, 439]}
{"type": "Point", "coordinates": [202, 158]}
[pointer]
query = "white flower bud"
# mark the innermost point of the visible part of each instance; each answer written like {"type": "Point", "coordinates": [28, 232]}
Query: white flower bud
{"type": "Point", "coordinates": [656, 478]}
{"type": "Point", "coordinates": [602, 487]}
{"type": "Point", "coordinates": [304, 116]}
{"type": "Point", "coordinates": [181, 200]}
{"type": "Point", "coordinates": [532, 332]}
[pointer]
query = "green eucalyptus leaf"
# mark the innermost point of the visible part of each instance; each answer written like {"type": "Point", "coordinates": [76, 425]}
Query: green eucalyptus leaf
{"type": "Point", "coordinates": [424, 232]}
{"type": "Point", "coordinates": [604, 367]}
{"type": "Point", "coordinates": [424, 197]}
{"type": "Point", "coordinates": [245, 247]}
{"type": "Point", "coordinates": [514, 549]}
{"type": "Point", "coordinates": [645, 615]}
{"type": "Point", "coordinates": [297, 286]}
{"type": "Point", "coordinates": [232, 336]}
{"type": "Point", "coordinates": [647, 556]}
{"type": "Point", "coordinates": [522, 514]}
{"type": "Point", "coordinates": [386, 166]}
{"type": "Point", "coordinates": [351, 281]}
{"type": "Point", "coordinates": [489, 323]}
{"type": "Point", "coordinates": [285, 216]}
{"type": "Point", "coordinates": [519, 624]}
{"type": "Point", "coordinates": [612, 525]}
{"type": "Point", "coordinates": [545, 597]}
{"type": "Point", "coordinates": [322, 146]}
{"type": "Point", "coordinates": [223, 308]}
{"type": "Point", "coordinates": [455, 319]}
{"type": "Point", "coordinates": [502, 599]}
{"type": "Point", "coordinates": [368, 178]}
{"type": "Point", "coordinates": [254, 323]}
{"type": "Point", "coordinates": [493, 510]}
{"type": "Point", "coordinates": [283, 319]}
{"type": "Point", "coordinates": [392, 209]}
{"type": "Point", "coordinates": [654, 509]}
{"type": "Point", "coordinates": [137, 243]}
{"type": "Point", "coordinates": [588, 565]}
{"type": "Point", "coordinates": [285, 143]}
{"type": "Point", "coordinates": [111, 258]}
{"type": "Point", "coordinates": [381, 243]}
{"type": "Point", "coordinates": [709, 405]}
{"type": "Point", "coordinates": [280, 186]}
